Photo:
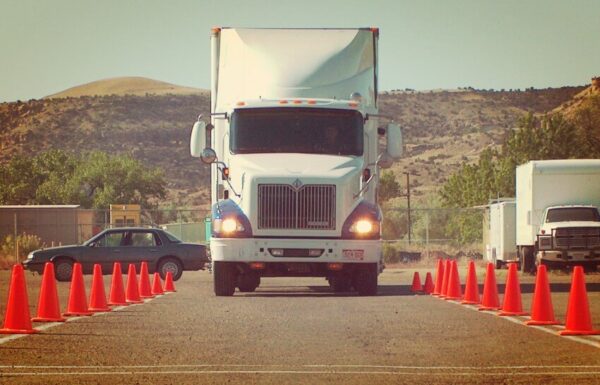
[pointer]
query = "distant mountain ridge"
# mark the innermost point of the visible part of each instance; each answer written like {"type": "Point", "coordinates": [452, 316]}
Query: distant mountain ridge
{"type": "Point", "coordinates": [121, 86]}
{"type": "Point", "coordinates": [442, 129]}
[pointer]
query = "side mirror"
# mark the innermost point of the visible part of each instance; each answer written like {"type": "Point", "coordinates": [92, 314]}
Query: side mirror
{"type": "Point", "coordinates": [385, 160]}
{"type": "Point", "coordinates": [394, 141]}
{"type": "Point", "coordinates": [198, 139]}
{"type": "Point", "coordinates": [208, 156]}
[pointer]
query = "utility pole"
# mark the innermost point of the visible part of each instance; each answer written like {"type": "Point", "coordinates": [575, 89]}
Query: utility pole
{"type": "Point", "coordinates": [408, 203]}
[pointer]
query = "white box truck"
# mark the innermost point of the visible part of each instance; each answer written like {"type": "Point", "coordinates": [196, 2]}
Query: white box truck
{"type": "Point", "coordinates": [501, 246]}
{"type": "Point", "coordinates": [558, 222]}
{"type": "Point", "coordinates": [293, 143]}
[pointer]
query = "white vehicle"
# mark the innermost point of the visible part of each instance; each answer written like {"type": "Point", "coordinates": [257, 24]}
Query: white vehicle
{"type": "Point", "coordinates": [295, 157]}
{"type": "Point", "coordinates": [557, 212]}
{"type": "Point", "coordinates": [501, 246]}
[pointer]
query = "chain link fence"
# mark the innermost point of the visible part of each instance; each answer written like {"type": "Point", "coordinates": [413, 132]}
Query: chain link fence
{"type": "Point", "coordinates": [408, 234]}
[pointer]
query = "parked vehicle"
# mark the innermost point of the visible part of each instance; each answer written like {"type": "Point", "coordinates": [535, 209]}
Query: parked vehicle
{"type": "Point", "coordinates": [162, 250]}
{"type": "Point", "coordinates": [293, 145]}
{"type": "Point", "coordinates": [501, 245]}
{"type": "Point", "coordinates": [557, 213]}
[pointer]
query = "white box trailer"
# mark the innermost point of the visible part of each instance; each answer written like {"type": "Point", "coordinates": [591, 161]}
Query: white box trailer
{"type": "Point", "coordinates": [551, 184]}
{"type": "Point", "coordinates": [501, 246]}
{"type": "Point", "coordinates": [295, 157]}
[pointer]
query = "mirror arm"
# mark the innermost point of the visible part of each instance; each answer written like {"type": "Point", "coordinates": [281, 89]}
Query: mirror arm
{"type": "Point", "coordinates": [365, 186]}
{"type": "Point", "coordinates": [223, 165]}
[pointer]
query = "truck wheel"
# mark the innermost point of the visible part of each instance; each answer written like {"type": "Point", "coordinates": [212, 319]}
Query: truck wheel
{"type": "Point", "coordinates": [340, 284]}
{"type": "Point", "coordinates": [365, 280]}
{"type": "Point", "coordinates": [248, 282]}
{"type": "Point", "coordinates": [225, 278]}
{"type": "Point", "coordinates": [527, 259]}
{"type": "Point", "coordinates": [499, 264]}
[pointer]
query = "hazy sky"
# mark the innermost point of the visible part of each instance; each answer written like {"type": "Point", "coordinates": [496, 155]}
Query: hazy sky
{"type": "Point", "coordinates": [50, 45]}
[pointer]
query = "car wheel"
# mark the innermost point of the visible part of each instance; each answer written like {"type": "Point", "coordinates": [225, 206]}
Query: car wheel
{"type": "Point", "coordinates": [248, 282]}
{"type": "Point", "coordinates": [365, 280]}
{"type": "Point", "coordinates": [63, 269]}
{"type": "Point", "coordinates": [225, 278]}
{"type": "Point", "coordinates": [170, 265]}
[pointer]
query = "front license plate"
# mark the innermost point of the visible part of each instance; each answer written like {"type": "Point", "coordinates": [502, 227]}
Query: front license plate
{"type": "Point", "coordinates": [353, 255]}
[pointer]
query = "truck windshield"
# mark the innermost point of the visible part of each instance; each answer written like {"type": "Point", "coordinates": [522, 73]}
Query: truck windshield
{"type": "Point", "coordinates": [568, 214]}
{"type": "Point", "coordinates": [296, 130]}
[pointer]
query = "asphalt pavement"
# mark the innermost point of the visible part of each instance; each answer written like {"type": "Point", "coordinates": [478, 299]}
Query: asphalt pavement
{"type": "Point", "coordinates": [295, 330]}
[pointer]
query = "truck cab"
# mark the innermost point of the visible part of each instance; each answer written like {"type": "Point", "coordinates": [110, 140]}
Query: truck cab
{"type": "Point", "coordinates": [294, 149]}
{"type": "Point", "coordinates": [569, 235]}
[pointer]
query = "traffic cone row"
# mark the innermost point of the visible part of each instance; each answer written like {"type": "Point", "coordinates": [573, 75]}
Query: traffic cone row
{"type": "Point", "coordinates": [578, 318]}
{"type": "Point", "coordinates": [18, 320]}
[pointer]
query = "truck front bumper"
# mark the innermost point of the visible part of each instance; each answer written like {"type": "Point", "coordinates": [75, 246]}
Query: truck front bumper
{"type": "Point", "coordinates": [569, 256]}
{"type": "Point", "coordinates": [263, 250]}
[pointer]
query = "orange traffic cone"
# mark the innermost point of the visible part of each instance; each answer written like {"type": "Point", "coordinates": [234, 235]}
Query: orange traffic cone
{"type": "Point", "coordinates": [428, 287]}
{"type": "Point", "coordinates": [542, 311]}
{"type": "Point", "coordinates": [490, 299]}
{"type": "Point", "coordinates": [48, 309]}
{"type": "Point", "coordinates": [157, 285]}
{"type": "Point", "coordinates": [454, 290]}
{"type": "Point", "coordinates": [132, 295]}
{"type": "Point", "coordinates": [98, 294]}
{"type": "Point", "coordinates": [169, 286]}
{"type": "Point", "coordinates": [511, 304]}
{"type": "Point", "coordinates": [439, 277]}
{"type": "Point", "coordinates": [117, 291]}
{"type": "Point", "coordinates": [416, 283]}
{"type": "Point", "coordinates": [445, 279]}
{"type": "Point", "coordinates": [77, 299]}
{"type": "Point", "coordinates": [471, 287]}
{"type": "Point", "coordinates": [145, 289]}
{"type": "Point", "coordinates": [17, 319]}
{"type": "Point", "coordinates": [579, 320]}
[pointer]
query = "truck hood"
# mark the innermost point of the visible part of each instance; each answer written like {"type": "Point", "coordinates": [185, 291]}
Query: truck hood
{"type": "Point", "coordinates": [299, 165]}
{"type": "Point", "coordinates": [548, 227]}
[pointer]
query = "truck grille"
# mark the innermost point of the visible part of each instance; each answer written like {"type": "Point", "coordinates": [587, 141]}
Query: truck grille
{"type": "Point", "coordinates": [577, 238]}
{"type": "Point", "coordinates": [311, 207]}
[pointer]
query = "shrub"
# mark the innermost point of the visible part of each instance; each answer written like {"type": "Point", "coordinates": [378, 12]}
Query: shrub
{"type": "Point", "coordinates": [27, 243]}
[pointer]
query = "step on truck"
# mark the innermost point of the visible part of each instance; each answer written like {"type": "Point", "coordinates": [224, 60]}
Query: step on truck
{"type": "Point", "coordinates": [558, 222]}
{"type": "Point", "coordinates": [293, 144]}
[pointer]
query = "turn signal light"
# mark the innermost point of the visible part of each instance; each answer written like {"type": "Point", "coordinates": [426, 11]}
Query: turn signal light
{"type": "Point", "coordinates": [257, 265]}
{"type": "Point", "coordinates": [335, 266]}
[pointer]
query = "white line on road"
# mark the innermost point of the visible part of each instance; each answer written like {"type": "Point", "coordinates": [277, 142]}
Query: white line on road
{"type": "Point", "coordinates": [303, 372]}
{"type": "Point", "coordinates": [50, 325]}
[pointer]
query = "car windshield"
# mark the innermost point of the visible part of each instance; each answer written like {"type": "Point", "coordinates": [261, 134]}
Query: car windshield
{"type": "Point", "coordinates": [172, 238]}
{"type": "Point", "coordinates": [297, 130]}
{"type": "Point", "coordinates": [568, 214]}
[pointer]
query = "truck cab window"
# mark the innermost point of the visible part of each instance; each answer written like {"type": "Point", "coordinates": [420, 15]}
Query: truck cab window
{"type": "Point", "coordinates": [297, 130]}
{"type": "Point", "coordinates": [573, 214]}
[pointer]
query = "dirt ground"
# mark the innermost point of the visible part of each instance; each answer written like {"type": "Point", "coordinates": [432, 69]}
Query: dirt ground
{"type": "Point", "coordinates": [294, 330]}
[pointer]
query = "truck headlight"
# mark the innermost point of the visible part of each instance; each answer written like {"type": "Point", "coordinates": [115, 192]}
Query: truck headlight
{"type": "Point", "coordinates": [545, 242]}
{"type": "Point", "coordinates": [364, 227]}
{"type": "Point", "coordinates": [230, 225]}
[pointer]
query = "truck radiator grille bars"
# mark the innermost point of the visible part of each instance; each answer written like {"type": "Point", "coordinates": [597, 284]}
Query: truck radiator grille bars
{"type": "Point", "coordinates": [311, 207]}
{"type": "Point", "coordinates": [577, 238]}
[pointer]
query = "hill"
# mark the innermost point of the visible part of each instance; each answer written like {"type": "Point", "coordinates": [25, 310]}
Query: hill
{"type": "Point", "coordinates": [442, 129]}
{"type": "Point", "coordinates": [126, 86]}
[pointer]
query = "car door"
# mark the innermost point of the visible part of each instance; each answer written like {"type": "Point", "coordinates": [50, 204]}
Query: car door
{"type": "Point", "coordinates": [142, 245]}
{"type": "Point", "coordinates": [105, 250]}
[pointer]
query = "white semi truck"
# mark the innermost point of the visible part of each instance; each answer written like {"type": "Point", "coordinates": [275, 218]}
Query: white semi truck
{"type": "Point", "coordinates": [293, 143]}
{"type": "Point", "coordinates": [558, 222]}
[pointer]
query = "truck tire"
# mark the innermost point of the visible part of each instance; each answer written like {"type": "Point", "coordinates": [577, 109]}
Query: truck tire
{"type": "Point", "coordinates": [248, 282]}
{"type": "Point", "coordinates": [340, 283]}
{"type": "Point", "coordinates": [527, 259]}
{"type": "Point", "coordinates": [225, 278]}
{"type": "Point", "coordinates": [365, 280]}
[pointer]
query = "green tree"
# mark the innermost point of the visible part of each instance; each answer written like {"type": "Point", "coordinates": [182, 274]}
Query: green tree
{"type": "Point", "coordinates": [94, 180]}
{"type": "Point", "coordinates": [388, 187]}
